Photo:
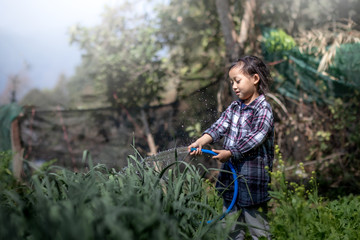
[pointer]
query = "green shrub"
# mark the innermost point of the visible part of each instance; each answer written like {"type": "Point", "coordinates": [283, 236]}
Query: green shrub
{"type": "Point", "coordinates": [142, 203]}
{"type": "Point", "coordinates": [7, 179]}
{"type": "Point", "coordinates": [276, 41]}
{"type": "Point", "coordinates": [299, 212]}
{"type": "Point", "coordinates": [138, 203]}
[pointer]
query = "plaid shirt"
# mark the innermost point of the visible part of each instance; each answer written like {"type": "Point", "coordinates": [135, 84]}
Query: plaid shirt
{"type": "Point", "coordinates": [248, 132]}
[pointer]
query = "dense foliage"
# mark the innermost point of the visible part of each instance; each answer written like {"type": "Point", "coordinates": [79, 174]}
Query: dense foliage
{"type": "Point", "coordinates": [134, 61]}
{"type": "Point", "coordinates": [136, 203]}
{"type": "Point", "coordinates": [142, 203]}
{"type": "Point", "coordinates": [121, 56]}
{"type": "Point", "coordinates": [300, 213]}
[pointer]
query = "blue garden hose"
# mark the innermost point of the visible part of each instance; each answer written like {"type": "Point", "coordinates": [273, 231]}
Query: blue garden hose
{"type": "Point", "coordinates": [236, 183]}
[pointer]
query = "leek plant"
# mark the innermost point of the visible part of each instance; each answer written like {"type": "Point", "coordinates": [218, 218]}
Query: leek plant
{"type": "Point", "coordinates": [136, 203]}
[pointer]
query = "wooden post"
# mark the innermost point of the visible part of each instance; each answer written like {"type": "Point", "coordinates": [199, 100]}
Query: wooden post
{"type": "Point", "coordinates": [17, 163]}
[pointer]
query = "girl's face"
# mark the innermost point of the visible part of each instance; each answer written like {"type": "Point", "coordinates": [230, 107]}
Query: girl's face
{"type": "Point", "coordinates": [244, 86]}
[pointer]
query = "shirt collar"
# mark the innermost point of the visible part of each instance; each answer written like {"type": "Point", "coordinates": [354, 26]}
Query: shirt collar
{"type": "Point", "coordinates": [254, 104]}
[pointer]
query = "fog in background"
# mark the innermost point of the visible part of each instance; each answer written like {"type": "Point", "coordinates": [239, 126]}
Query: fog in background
{"type": "Point", "coordinates": [34, 45]}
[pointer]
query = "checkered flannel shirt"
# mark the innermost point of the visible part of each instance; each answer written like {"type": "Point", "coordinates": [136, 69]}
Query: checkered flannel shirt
{"type": "Point", "coordinates": [248, 132]}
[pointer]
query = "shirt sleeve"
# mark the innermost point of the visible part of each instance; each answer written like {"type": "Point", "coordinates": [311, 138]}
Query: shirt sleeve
{"type": "Point", "coordinates": [262, 124]}
{"type": "Point", "coordinates": [221, 126]}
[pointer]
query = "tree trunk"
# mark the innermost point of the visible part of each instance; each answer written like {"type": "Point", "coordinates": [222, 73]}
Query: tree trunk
{"type": "Point", "coordinates": [247, 23]}
{"type": "Point", "coordinates": [294, 17]}
{"type": "Point", "coordinates": [235, 45]}
{"type": "Point", "coordinates": [149, 136]}
{"type": "Point", "coordinates": [228, 30]}
{"type": "Point", "coordinates": [232, 48]}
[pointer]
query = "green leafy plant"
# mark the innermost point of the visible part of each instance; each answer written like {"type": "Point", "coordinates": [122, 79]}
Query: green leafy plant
{"type": "Point", "coordinates": [300, 213]}
{"type": "Point", "coordinates": [195, 130]}
{"type": "Point", "coordinates": [7, 179]}
{"type": "Point", "coordinates": [276, 40]}
{"type": "Point", "coordinates": [136, 203]}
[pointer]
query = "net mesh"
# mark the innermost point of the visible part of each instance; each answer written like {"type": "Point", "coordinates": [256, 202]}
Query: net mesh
{"type": "Point", "coordinates": [64, 135]}
{"type": "Point", "coordinates": [7, 114]}
{"type": "Point", "coordinates": [108, 134]}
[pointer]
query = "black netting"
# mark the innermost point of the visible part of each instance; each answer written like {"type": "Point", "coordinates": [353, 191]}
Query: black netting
{"type": "Point", "coordinates": [110, 134]}
{"type": "Point", "coordinates": [64, 135]}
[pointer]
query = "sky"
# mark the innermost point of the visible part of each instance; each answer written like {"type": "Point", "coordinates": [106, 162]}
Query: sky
{"type": "Point", "coordinates": [34, 39]}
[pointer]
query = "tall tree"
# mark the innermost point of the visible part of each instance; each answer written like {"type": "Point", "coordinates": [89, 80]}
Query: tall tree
{"type": "Point", "coordinates": [195, 52]}
{"type": "Point", "coordinates": [208, 36]}
{"type": "Point", "coordinates": [124, 55]}
{"type": "Point", "coordinates": [234, 42]}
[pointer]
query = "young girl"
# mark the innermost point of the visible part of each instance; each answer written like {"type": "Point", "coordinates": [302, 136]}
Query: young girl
{"type": "Point", "coordinates": [248, 130]}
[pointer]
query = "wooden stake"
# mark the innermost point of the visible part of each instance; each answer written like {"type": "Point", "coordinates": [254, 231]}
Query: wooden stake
{"type": "Point", "coordinates": [18, 151]}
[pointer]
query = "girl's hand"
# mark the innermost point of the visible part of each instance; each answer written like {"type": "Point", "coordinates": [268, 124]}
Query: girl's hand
{"type": "Point", "coordinates": [198, 148]}
{"type": "Point", "coordinates": [223, 155]}
{"type": "Point", "coordinates": [202, 141]}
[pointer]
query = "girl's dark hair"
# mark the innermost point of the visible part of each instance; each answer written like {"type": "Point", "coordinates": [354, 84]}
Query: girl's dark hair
{"type": "Point", "coordinates": [253, 65]}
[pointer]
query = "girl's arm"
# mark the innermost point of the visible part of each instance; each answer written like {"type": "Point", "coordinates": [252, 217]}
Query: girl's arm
{"type": "Point", "coordinates": [214, 133]}
{"type": "Point", "coordinates": [222, 125]}
{"type": "Point", "coordinates": [223, 155]}
{"type": "Point", "coordinates": [203, 140]}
